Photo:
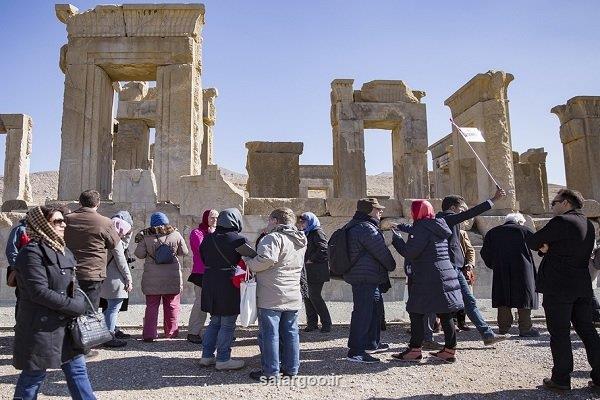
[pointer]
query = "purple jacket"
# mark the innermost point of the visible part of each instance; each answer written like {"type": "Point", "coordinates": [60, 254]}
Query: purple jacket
{"type": "Point", "coordinates": [196, 238]}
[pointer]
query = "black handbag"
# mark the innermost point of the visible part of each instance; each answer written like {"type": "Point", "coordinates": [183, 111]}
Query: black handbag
{"type": "Point", "coordinates": [89, 330]}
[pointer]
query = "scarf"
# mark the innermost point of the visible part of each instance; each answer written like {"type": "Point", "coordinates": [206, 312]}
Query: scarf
{"type": "Point", "coordinates": [40, 230]}
{"type": "Point", "coordinates": [421, 209]}
{"type": "Point", "coordinates": [204, 224]}
{"type": "Point", "coordinates": [312, 222]}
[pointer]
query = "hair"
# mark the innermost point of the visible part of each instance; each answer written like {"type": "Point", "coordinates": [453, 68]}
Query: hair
{"type": "Point", "coordinates": [517, 218]}
{"type": "Point", "coordinates": [284, 216]}
{"type": "Point", "coordinates": [89, 198]}
{"type": "Point", "coordinates": [48, 211]}
{"type": "Point", "coordinates": [574, 198]}
{"type": "Point", "coordinates": [451, 201]}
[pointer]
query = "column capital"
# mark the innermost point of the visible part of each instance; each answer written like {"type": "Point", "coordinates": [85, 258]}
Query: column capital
{"type": "Point", "coordinates": [492, 85]}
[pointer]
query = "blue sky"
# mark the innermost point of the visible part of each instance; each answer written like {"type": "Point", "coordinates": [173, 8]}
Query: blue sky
{"type": "Point", "coordinates": [273, 61]}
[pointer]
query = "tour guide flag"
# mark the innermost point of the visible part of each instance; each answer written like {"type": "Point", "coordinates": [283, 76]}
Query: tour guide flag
{"type": "Point", "coordinates": [472, 135]}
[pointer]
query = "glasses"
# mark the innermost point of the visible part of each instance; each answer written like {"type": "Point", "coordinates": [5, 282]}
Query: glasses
{"type": "Point", "coordinates": [57, 222]}
{"type": "Point", "coordinates": [554, 202]}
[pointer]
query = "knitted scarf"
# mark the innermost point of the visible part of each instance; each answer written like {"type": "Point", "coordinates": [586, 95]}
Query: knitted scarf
{"type": "Point", "coordinates": [40, 230]}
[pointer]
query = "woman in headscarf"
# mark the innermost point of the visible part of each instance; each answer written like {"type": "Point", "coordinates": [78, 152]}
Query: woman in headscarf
{"type": "Point", "coordinates": [220, 297]}
{"type": "Point", "coordinates": [48, 302]}
{"type": "Point", "coordinates": [317, 273]}
{"type": "Point", "coordinates": [118, 283]}
{"type": "Point", "coordinates": [433, 284]}
{"type": "Point", "coordinates": [197, 316]}
{"type": "Point", "coordinates": [161, 280]}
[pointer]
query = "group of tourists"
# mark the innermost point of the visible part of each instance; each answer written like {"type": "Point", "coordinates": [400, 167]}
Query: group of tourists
{"type": "Point", "coordinates": [53, 252]}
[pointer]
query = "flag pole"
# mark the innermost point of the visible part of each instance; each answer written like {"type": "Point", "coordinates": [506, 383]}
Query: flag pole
{"type": "Point", "coordinates": [474, 152]}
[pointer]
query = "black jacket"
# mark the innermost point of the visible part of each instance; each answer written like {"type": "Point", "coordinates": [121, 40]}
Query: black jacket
{"type": "Point", "coordinates": [453, 220]}
{"type": "Point", "coordinates": [372, 259]}
{"type": "Point", "coordinates": [316, 260]}
{"type": "Point", "coordinates": [433, 282]}
{"type": "Point", "coordinates": [219, 296]}
{"type": "Point", "coordinates": [505, 251]}
{"type": "Point", "coordinates": [564, 268]}
{"type": "Point", "coordinates": [45, 279]}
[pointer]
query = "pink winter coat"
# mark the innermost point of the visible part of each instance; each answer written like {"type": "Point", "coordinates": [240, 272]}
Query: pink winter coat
{"type": "Point", "coordinates": [196, 238]}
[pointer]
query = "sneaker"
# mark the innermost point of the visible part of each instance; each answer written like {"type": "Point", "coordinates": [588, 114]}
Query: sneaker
{"type": "Point", "coordinates": [229, 364]}
{"type": "Point", "coordinates": [208, 361]}
{"type": "Point", "coordinates": [410, 354]}
{"type": "Point", "coordinates": [446, 355]}
{"type": "Point", "coordinates": [326, 329]}
{"type": "Point", "coordinates": [550, 384]}
{"type": "Point", "coordinates": [431, 345]}
{"type": "Point", "coordinates": [488, 341]}
{"type": "Point", "coordinates": [148, 340]}
{"type": "Point", "coordinates": [464, 327]}
{"type": "Point", "coordinates": [194, 338]}
{"type": "Point", "coordinates": [114, 343]}
{"type": "Point", "coordinates": [381, 347]}
{"type": "Point", "coordinates": [258, 376]}
{"type": "Point", "coordinates": [311, 328]}
{"type": "Point", "coordinates": [119, 334]}
{"type": "Point", "coordinates": [530, 333]}
{"type": "Point", "coordinates": [91, 354]}
{"type": "Point", "coordinates": [365, 359]}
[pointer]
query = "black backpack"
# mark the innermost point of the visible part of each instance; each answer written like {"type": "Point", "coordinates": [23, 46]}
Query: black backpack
{"type": "Point", "coordinates": [163, 254]}
{"type": "Point", "coordinates": [337, 251]}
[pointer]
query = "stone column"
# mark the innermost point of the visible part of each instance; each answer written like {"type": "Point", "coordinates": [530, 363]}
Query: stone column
{"type": "Point", "coordinates": [273, 169]}
{"type": "Point", "coordinates": [440, 179]}
{"type": "Point", "coordinates": [483, 103]}
{"type": "Point", "coordinates": [349, 173]}
{"type": "Point", "coordinates": [580, 136]}
{"type": "Point", "coordinates": [409, 153]}
{"type": "Point", "coordinates": [209, 117]}
{"type": "Point", "coordinates": [531, 181]}
{"type": "Point", "coordinates": [132, 145]}
{"type": "Point", "coordinates": [178, 130]}
{"type": "Point", "coordinates": [87, 133]}
{"type": "Point", "coordinates": [18, 129]}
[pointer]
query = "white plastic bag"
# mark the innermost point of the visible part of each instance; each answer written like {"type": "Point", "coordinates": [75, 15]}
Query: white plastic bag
{"type": "Point", "coordinates": [248, 309]}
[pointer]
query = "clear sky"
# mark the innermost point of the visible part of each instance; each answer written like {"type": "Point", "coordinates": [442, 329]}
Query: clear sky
{"type": "Point", "coordinates": [273, 61]}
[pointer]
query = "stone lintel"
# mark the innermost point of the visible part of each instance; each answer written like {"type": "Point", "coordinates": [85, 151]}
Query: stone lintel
{"type": "Point", "coordinates": [14, 121]}
{"type": "Point", "coordinates": [578, 107]}
{"type": "Point", "coordinates": [275, 147]}
{"type": "Point", "coordinates": [389, 91]}
{"type": "Point", "coordinates": [144, 110]}
{"type": "Point", "coordinates": [159, 20]}
{"type": "Point", "coordinates": [492, 85]}
{"type": "Point", "coordinates": [316, 171]}
{"type": "Point", "coordinates": [533, 156]}
{"type": "Point", "coordinates": [380, 115]}
{"type": "Point", "coordinates": [341, 90]}
{"type": "Point", "coordinates": [441, 147]}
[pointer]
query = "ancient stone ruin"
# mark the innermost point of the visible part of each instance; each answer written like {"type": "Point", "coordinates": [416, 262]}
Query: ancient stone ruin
{"type": "Point", "coordinates": [17, 189]}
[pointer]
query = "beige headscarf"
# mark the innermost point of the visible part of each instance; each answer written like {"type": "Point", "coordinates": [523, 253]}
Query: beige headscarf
{"type": "Point", "coordinates": [40, 230]}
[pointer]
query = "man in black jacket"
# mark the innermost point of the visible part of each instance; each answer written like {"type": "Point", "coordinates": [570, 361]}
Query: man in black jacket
{"type": "Point", "coordinates": [454, 211]}
{"type": "Point", "coordinates": [566, 243]}
{"type": "Point", "coordinates": [371, 263]}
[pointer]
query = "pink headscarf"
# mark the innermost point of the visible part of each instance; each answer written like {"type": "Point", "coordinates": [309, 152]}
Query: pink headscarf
{"type": "Point", "coordinates": [123, 227]}
{"type": "Point", "coordinates": [421, 209]}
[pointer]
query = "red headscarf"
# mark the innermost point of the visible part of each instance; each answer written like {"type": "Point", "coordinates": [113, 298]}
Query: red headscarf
{"type": "Point", "coordinates": [422, 209]}
{"type": "Point", "coordinates": [204, 224]}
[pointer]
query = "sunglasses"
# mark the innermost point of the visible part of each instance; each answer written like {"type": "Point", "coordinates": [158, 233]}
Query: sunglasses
{"type": "Point", "coordinates": [555, 202]}
{"type": "Point", "coordinates": [59, 221]}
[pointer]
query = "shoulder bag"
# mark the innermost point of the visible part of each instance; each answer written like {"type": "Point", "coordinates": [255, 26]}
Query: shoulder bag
{"type": "Point", "coordinates": [89, 330]}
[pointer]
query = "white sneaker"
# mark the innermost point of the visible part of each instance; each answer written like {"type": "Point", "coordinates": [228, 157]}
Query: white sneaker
{"type": "Point", "coordinates": [207, 362]}
{"type": "Point", "coordinates": [230, 364]}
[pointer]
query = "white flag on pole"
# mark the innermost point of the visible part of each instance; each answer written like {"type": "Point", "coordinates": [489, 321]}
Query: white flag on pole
{"type": "Point", "coordinates": [472, 135]}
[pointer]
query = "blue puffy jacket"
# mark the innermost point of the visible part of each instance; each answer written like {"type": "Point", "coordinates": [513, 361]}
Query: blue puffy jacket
{"type": "Point", "coordinates": [433, 282]}
{"type": "Point", "coordinates": [372, 260]}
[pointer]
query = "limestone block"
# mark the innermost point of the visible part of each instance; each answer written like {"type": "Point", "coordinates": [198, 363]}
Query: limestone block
{"type": "Point", "coordinates": [209, 113]}
{"type": "Point", "coordinates": [135, 186]}
{"type": "Point", "coordinates": [18, 128]}
{"type": "Point", "coordinates": [390, 91]}
{"type": "Point", "coordinates": [529, 186]}
{"type": "Point", "coordinates": [275, 147]}
{"type": "Point", "coordinates": [406, 204]}
{"type": "Point", "coordinates": [341, 90]}
{"type": "Point", "coordinates": [209, 190]}
{"type": "Point", "coordinates": [539, 223]}
{"type": "Point", "coordinates": [316, 171]}
{"type": "Point", "coordinates": [273, 169]}
{"type": "Point", "coordinates": [591, 208]}
{"type": "Point", "coordinates": [163, 19]}
{"type": "Point", "coordinates": [133, 91]}
{"type": "Point", "coordinates": [11, 205]}
{"type": "Point", "coordinates": [484, 223]}
{"type": "Point", "coordinates": [264, 206]}
{"type": "Point", "coordinates": [131, 145]}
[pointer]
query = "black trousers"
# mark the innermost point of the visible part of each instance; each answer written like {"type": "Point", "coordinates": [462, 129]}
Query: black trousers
{"type": "Point", "coordinates": [417, 331]}
{"type": "Point", "coordinates": [92, 290]}
{"type": "Point", "coordinates": [595, 309]}
{"type": "Point", "coordinates": [561, 312]}
{"type": "Point", "coordinates": [316, 308]}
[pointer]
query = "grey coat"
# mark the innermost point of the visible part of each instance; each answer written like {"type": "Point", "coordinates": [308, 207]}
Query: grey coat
{"type": "Point", "coordinates": [117, 274]}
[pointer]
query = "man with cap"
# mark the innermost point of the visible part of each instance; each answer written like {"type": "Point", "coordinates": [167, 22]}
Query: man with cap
{"type": "Point", "coordinates": [371, 263]}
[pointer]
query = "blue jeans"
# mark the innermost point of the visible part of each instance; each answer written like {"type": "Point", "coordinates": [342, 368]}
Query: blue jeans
{"type": "Point", "coordinates": [471, 308]}
{"type": "Point", "coordinates": [365, 323]}
{"type": "Point", "coordinates": [279, 341]}
{"type": "Point", "coordinates": [219, 335]}
{"type": "Point", "coordinates": [29, 382]}
{"type": "Point", "coordinates": [111, 311]}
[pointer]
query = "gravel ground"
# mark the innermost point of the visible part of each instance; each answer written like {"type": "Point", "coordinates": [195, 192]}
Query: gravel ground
{"type": "Point", "coordinates": [169, 369]}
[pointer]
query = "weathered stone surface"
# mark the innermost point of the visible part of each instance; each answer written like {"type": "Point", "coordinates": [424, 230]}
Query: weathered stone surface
{"type": "Point", "coordinates": [483, 103]}
{"type": "Point", "coordinates": [209, 114]}
{"type": "Point", "coordinates": [591, 208]}
{"type": "Point", "coordinates": [132, 145]}
{"type": "Point", "coordinates": [484, 223]}
{"type": "Point", "coordinates": [18, 129]}
{"type": "Point", "coordinates": [579, 131]}
{"type": "Point", "coordinates": [11, 205]}
{"type": "Point", "coordinates": [264, 206]}
{"type": "Point", "coordinates": [337, 207]}
{"type": "Point", "coordinates": [539, 223]}
{"type": "Point", "coordinates": [389, 91]}
{"type": "Point", "coordinates": [209, 190]}
{"type": "Point", "coordinates": [134, 186]}
{"type": "Point", "coordinates": [273, 169]}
